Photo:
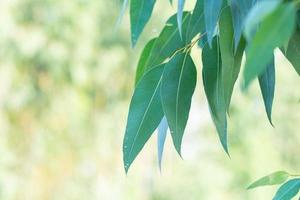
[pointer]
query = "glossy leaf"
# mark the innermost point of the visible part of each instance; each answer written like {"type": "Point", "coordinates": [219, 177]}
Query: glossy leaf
{"type": "Point", "coordinates": [140, 13]}
{"type": "Point", "coordinates": [267, 87]}
{"type": "Point", "coordinates": [145, 114]}
{"type": "Point", "coordinates": [177, 88]}
{"type": "Point", "coordinates": [231, 62]}
{"type": "Point", "coordinates": [288, 190]}
{"type": "Point", "coordinates": [212, 10]}
{"type": "Point", "coordinates": [293, 51]}
{"type": "Point", "coordinates": [143, 60]}
{"type": "Point", "coordinates": [275, 178]}
{"type": "Point", "coordinates": [179, 15]}
{"type": "Point", "coordinates": [211, 75]}
{"type": "Point", "coordinates": [269, 36]}
{"type": "Point", "coordinates": [161, 137]}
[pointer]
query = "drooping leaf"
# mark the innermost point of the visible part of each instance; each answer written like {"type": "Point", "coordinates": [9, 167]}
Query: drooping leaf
{"type": "Point", "coordinates": [196, 23]}
{"type": "Point", "coordinates": [169, 41]}
{"type": "Point", "coordinates": [143, 59]}
{"type": "Point", "coordinates": [269, 36]}
{"type": "Point", "coordinates": [121, 15]}
{"type": "Point", "coordinates": [140, 13]}
{"type": "Point", "coordinates": [288, 190]}
{"type": "Point", "coordinates": [145, 114]}
{"type": "Point", "coordinates": [275, 178]}
{"type": "Point", "coordinates": [231, 62]}
{"type": "Point", "coordinates": [177, 88]}
{"type": "Point", "coordinates": [259, 11]}
{"type": "Point", "coordinates": [267, 87]}
{"type": "Point", "coordinates": [293, 51]}
{"type": "Point", "coordinates": [211, 74]}
{"type": "Point", "coordinates": [179, 15]}
{"type": "Point", "coordinates": [240, 9]}
{"type": "Point", "coordinates": [166, 44]}
{"type": "Point", "coordinates": [161, 137]}
{"type": "Point", "coordinates": [212, 10]}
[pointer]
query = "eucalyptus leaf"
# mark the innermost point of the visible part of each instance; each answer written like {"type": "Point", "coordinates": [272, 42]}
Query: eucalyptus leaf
{"type": "Point", "coordinates": [293, 51]}
{"type": "Point", "coordinates": [212, 81]}
{"type": "Point", "coordinates": [143, 60]}
{"type": "Point", "coordinates": [212, 9]}
{"type": "Point", "coordinates": [269, 36]}
{"type": "Point", "coordinates": [179, 15]}
{"type": "Point", "coordinates": [275, 178]}
{"type": "Point", "coordinates": [161, 137]}
{"type": "Point", "coordinates": [231, 62]}
{"type": "Point", "coordinates": [140, 13]}
{"type": "Point", "coordinates": [240, 9]}
{"type": "Point", "coordinates": [177, 88]}
{"type": "Point", "coordinates": [145, 114]}
{"type": "Point", "coordinates": [267, 87]}
{"type": "Point", "coordinates": [288, 190]}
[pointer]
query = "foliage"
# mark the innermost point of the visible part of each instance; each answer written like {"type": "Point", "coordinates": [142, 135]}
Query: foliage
{"type": "Point", "coordinates": [226, 30]}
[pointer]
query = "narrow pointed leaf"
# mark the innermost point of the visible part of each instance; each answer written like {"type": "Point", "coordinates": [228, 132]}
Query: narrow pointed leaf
{"type": "Point", "coordinates": [169, 40]}
{"type": "Point", "coordinates": [121, 15]}
{"type": "Point", "coordinates": [275, 178]}
{"type": "Point", "coordinates": [259, 11]}
{"type": "Point", "coordinates": [240, 9]}
{"type": "Point", "coordinates": [177, 88]}
{"type": "Point", "coordinates": [161, 137]}
{"type": "Point", "coordinates": [211, 74]}
{"type": "Point", "coordinates": [267, 87]}
{"type": "Point", "coordinates": [179, 15]}
{"type": "Point", "coordinates": [140, 13]}
{"type": "Point", "coordinates": [145, 114]}
{"type": "Point", "coordinates": [269, 36]}
{"type": "Point", "coordinates": [143, 59]}
{"type": "Point", "coordinates": [212, 10]}
{"type": "Point", "coordinates": [288, 190]}
{"type": "Point", "coordinates": [293, 51]}
{"type": "Point", "coordinates": [231, 62]}
{"type": "Point", "coordinates": [166, 43]}
{"type": "Point", "coordinates": [196, 23]}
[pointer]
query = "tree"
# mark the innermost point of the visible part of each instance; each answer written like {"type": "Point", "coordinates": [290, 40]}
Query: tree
{"type": "Point", "coordinates": [226, 31]}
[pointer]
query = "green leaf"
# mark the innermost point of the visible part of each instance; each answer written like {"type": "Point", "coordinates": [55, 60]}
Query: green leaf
{"type": "Point", "coordinates": [212, 10]}
{"type": "Point", "coordinates": [211, 74]}
{"type": "Point", "coordinates": [177, 88]}
{"type": "Point", "coordinates": [293, 51]}
{"type": "Point", "coordinates": [288, 190]}
{"type": "Point", "coordinates": [259, 11]}
{"type": "Point", "coordinates": [121, 15]}
{"type": "Point", "coordinates": [240, 9]}
{"type": "Point", "coordinates": [269, 36]}
{"type": "Point", "coordinates": [166, 43]}
{"type": "Point", "coordinates": [231, 63]}
{"type": "Point", "coordinates": [145, 114]}
{"type": "Point", "coordinates": [143, 60]}
{"type": "Point", "coordinates": [161, 137]}
{"type": "Point", "coordinates": [267, 87]}
{"type": "Point", "coordinates": [169, 41]}
{"type": "Point", "coordinates": [179, 15]}
{"type": "Point", "coordinates": [140, 13]}
{"type": "Point", "coordinates": [196, 23]}
{"type": "Point", "coordinates": [275, 178]}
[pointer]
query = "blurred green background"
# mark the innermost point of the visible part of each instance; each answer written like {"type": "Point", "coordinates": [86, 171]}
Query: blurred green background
{"type": "Point", "coordinates": [66, 78]}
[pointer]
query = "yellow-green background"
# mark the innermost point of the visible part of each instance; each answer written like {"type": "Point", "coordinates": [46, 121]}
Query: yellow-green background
{"type": "Point", "coordinates": [66, 78]}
